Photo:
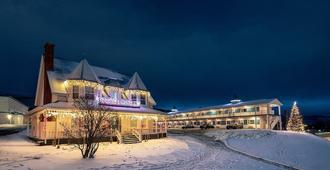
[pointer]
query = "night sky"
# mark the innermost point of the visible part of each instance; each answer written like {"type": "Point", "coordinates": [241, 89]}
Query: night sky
{"type": "Point", "coordinates": [188, 53]}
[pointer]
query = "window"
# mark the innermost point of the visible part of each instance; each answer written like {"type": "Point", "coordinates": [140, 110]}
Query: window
{"type": "Point", "coordinates": [89, 93]}
{"type": "Point", "coordinates": [75, 92]}
{"type": "Point", "coordinates": [237, 110]}
{"type": "Point", "coordinates": [133, 123]}
{"type": "Point", "coordinates": [143, 99]}
{"type": "Point", "coordinates": [114, 95]}
{"type": "Point", "coordinates": [228, 122]}
{"type": "Point", "coordinates": [223, 122]}
{"type": "Point", "coordinates": [133, 97]}
{"type": "Point", "coordinates": [253, 109]}
{"type": "Point", "coordinates": [251, 121]}
{"type": "Point", "coordinates": [245, 122]}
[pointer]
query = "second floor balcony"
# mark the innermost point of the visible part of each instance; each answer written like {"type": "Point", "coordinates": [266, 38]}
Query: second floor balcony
{"type": "Point", "coordinates": [215, 115]}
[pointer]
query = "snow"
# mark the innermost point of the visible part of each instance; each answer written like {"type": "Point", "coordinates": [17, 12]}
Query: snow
{"type": "Point", "coordinates": [83, 72]}
{"type": "Point", "coordinates": [174, 152]}
{"type": "Point", "coordinates": [136, 83]}
{"type": "Point", "coordinates": [300, 150]}
{"type": "Point", "coordinates": [63, 67]}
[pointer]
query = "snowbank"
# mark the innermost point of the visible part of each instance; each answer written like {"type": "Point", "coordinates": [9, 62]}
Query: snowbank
{"type": "Point", "coordinates": [174, 152]}
{"type": "Point", "coordinates": [301, 150]}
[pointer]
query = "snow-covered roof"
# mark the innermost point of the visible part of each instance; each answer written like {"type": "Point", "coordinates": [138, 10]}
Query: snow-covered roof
{"type": "Point", "coordinates": [238, 104]}
{"type": "Point", "coordinates": [64, 69]}
{"type": "Point", "coordinates": [69, 105]}
{"type": "Point", "coordinates": [136, 83]}
{"type": "Point", "coordinates": [83, 71]}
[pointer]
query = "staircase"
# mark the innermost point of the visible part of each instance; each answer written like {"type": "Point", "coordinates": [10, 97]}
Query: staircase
{"type": "Point", "coordinates": [130, 139]}
{"type": "Point", "coordinates": [274, 122]}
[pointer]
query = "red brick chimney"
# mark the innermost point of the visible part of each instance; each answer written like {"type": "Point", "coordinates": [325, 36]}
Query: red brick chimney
{"type": "Point", "coordinates": [49, 56]}
{"type": "Point", "coordinates": [49, 66]}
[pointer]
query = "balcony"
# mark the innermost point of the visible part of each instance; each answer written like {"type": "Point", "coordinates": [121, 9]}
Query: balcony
{"type": "Point", "coordinates": [183, 117]}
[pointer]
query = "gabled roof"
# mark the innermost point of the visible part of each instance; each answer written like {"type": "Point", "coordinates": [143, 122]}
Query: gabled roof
{"type": "Point", "coordinates": [64, 68]}
{"type": "Point", "coordinates": [135, 83]}
{"type": "Point", "coordinates": [83, 71]}
{"type": "Point", "coordinates": [238, 104]}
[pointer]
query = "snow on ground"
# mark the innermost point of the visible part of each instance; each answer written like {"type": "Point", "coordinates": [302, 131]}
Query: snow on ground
{"type": "Point", "coordinates": [174, 152]}
{"type": "Point", "coordinates": [300, 150]}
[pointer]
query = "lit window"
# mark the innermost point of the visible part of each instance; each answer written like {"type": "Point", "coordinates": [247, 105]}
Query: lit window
{"type": "Point", "coordinates": [237, 110]}
{"type": "Point", "coordinates": [89, 93]}
{"type": "Point", "coordinates": [133, 123]}
{"type": "Point", "coordinates": [75, 92]}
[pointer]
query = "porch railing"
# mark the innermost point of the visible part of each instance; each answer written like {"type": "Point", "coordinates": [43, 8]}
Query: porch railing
{"type": "Point", "coordinates": [150, 131]}
{"type": "Point", "coordinates": [119, 137]}
{"type": "Point", "coordinates": [137, 134]}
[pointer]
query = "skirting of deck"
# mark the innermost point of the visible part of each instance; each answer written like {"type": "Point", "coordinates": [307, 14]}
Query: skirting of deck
{"type": "Point", "coordinates": [105, 139]}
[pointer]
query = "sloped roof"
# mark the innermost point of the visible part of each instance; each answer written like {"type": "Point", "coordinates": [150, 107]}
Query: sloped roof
{"type": "Point", "coordinates": [63, 67]}
{"type": "Point", "coordinates": [238, 104]}
{"type": "Point", "coordinates": [83, 72]}
{"type": "Point", "coordinates": [135, 83]}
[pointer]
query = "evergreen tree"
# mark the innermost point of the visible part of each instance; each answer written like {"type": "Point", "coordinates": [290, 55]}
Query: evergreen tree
{"type": "Point", "coordinates": [295, 122]}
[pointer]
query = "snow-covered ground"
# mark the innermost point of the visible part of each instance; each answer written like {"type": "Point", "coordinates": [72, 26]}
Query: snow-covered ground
{"type": "Point", "coordinates": [174, 152]}
{"type": "Point", "coordinates": [300, 150]}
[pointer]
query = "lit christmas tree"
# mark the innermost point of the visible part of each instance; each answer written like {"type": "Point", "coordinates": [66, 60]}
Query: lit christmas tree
{"type": "Point", "coordinates": [295, 122]}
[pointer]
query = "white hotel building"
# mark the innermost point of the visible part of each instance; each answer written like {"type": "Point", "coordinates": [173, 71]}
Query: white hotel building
{"type": "Point", "coordinates": [256, 114]}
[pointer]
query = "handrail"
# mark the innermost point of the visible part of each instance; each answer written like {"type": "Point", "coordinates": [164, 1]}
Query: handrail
{"type": "Point", "coordinates": [119, 137]}
{"type": "Point", "coordinates": [275, 120]}
{"type": "Point", "coordinates": [137, 134]}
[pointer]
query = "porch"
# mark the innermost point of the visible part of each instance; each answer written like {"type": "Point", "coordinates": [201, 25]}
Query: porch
{"type": "Point", "coordinates": [48, 129]}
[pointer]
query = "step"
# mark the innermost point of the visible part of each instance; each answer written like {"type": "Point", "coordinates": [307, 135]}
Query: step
{"type": "Point", "coordinates": [131, 142]}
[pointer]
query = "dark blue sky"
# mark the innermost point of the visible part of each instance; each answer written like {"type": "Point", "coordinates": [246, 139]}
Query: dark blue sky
{"type": "Point", "coordinates": [189, 53]}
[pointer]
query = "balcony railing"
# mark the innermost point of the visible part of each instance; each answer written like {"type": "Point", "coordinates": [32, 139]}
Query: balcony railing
{"type": "Point", "coordinates": [217, 115]}
{"type": "Point", "coordinates": [118, 102]}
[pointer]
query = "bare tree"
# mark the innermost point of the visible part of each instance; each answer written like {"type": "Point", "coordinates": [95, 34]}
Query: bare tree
{"type": "Point", "coordinates": [90, 125]}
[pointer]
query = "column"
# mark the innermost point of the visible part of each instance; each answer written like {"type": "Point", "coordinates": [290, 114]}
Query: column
{"type": "Point", "coordinates": [156, 126]}
{"type": "Point", "coordinates": [165, 125]}
{"type": "Point", "coordinates": [255, 117]}
{"type": "Point", "coordinates": [45, 128]}
{"type": "Point", "coordinates": [28, 127]}
{"type": "Point", "coordinates": [279, 113]}
{"type": "Point", "coordinates": [267, 116]}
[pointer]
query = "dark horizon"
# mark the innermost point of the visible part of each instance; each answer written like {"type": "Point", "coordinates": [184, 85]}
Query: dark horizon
{"type": "Point", "coordinates": [188, 54]}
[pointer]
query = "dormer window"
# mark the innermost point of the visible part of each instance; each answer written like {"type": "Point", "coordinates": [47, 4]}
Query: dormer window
{"type": "Point", "coordinates": [133, 98]}
{"type": "Point", "coordinates": [143, 99]}
{"type": "Point", "coordinates": [89, 93]}
{"type": "Point", "coordinates": [75, 92]}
